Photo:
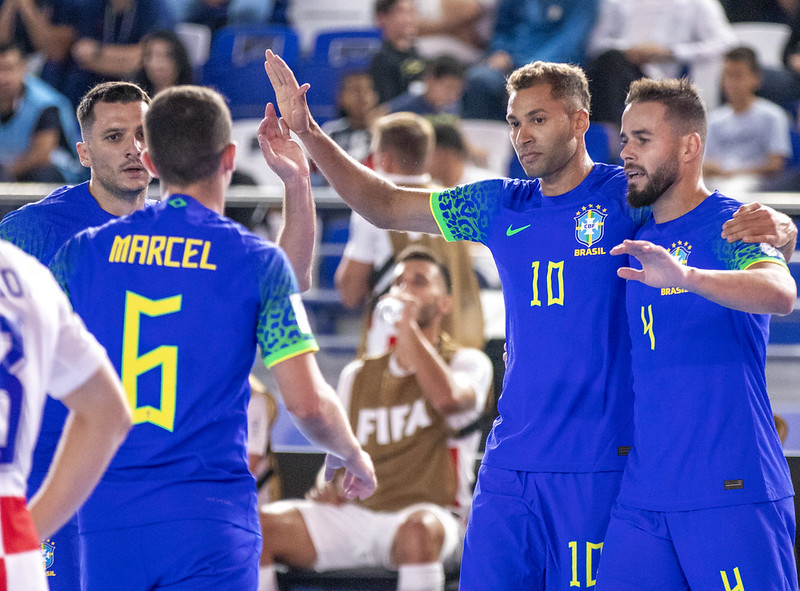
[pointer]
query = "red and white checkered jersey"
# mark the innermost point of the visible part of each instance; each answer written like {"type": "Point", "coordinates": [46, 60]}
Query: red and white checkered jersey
{"type": "Point", "coordinates": [44, 348]}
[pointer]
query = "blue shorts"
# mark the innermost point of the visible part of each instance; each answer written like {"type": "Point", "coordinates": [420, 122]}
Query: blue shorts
{"type": "Point", "coordinates": [536, 530]}
{"type": "Point", "coordinates": [61, 551]}
{"type": "Point", "coordinates": [743, 547]}
{"type": "Point", "coordinates": [182, 555]}
{"type": "Point", "coordinates": [61, 556]}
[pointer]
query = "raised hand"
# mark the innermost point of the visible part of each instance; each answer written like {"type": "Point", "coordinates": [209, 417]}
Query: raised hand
{"type": "Point", "coordinates": [290, 96]}
{"type": "Point", "coordinates": [281, 152]}
{"type": "Point", "coordinates": [659, 268]}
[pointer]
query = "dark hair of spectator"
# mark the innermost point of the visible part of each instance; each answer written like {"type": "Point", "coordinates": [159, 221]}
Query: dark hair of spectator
{"type": "Point", "coordinates": [384, 6]}
{"type": "Point", "coordinates": [183, 67]}
{"type": "Point", "coordinates": [416, 252]}
{"type": "Point", "coordinates": [445, 65]}
{"type": "Point", "coordinates": [746, 55]}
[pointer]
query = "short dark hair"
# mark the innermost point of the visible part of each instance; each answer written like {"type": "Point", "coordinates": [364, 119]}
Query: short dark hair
{"type": "Point", "coordinates": [384, 6]}
{"type": "Point", "coordinates": [183, 66]}
{"type": "Point", "coordinates": [107, 92]}
{"type": "Point", "coordinates": [746, 55]}
{"type": "Point", "coordinates": [407, 135]}
{"type": "Point", "coordinates": [186, 130]}
{"type": "Point", "coordinates": [567, 82]}
{"type": "Point", "coordinates": [685, 111]}
{"type": "Point", "coordinates": [415, 252]}
{"type": "Point", "coordinates": [448, 135]}
{"type": "Point", "coordinates": [445, 65]}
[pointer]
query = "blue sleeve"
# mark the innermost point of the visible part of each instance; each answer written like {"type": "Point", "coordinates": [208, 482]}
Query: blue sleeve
{"type": "Point", "coordinates": [283, 330]}
{"type": "Point", "coordinates": [23, 231]}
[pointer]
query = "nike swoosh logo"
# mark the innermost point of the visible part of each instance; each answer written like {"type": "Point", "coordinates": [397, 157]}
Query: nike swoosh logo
{"type": "Point", "coordinates": [511, 231]}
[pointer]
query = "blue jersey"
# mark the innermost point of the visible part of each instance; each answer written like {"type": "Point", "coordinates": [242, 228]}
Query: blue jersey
{"type": "Point", "coordinates": [705, 435]}
{"type": "Point", "coordinates": [40, 229]}
{"type": "Point", "coordinates": [567, 401]}
{"type": "Point", "coordinates": [180, 296]}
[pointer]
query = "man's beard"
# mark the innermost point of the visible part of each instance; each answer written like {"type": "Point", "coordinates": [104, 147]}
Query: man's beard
{"type": "Point", "coordinates": [658, 183]}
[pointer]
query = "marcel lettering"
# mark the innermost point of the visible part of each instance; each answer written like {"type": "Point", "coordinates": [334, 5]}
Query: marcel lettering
{"type": "Point", "coordinates": [586, 252]}
{"type": "Point", "coordinates": [162, 251]}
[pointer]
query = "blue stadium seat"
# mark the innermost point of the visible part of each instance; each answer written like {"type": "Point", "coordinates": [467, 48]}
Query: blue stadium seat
{"type": "Point", "coordinates": [235, 64]}
{"type": "Point", "coordinates": [335, 53]}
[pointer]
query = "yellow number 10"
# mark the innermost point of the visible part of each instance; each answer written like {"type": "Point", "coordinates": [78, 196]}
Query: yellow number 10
{"type": "Point", "coordinates": [590, 563]}
{"type": "Point", "coordinates": [134, 365]}
{"type": "Point", "coordinates": [552, 299]}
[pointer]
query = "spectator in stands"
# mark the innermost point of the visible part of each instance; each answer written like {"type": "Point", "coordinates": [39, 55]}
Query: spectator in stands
{"type": "Point", "coordinates": [656, 39]}
{"type": "Point", "coordinates": [165, 62]}
{"type": "Point", "coordinates": [402, 146]}
{"type": "Point", "coordinates": [451, 163]}
{"type": "Point", "coordinates": [397, 63]}
{"type": "Point", "coordinates": [749, 135]}
{"type": "Point", "coordinates": [525, 32]}
{"type": "Point", "coordinates": [38, 130]}
{"type": "Point", "coordinates": [357, 102]}
{"type": "Point", "coordinates": [782, 85]}
{"type": "Point", "coordinates": [460, 28]}
{"type": "Point", "coordinates": [429, 387]}
{"type": "Point", "coordinates": [216, 14]}
{"type": "Point", "coordinates": [109, 45]}
{"type": "Point", "coordinates": [443, 86]}
{"type": "Point", "coordinates": [38, 26]}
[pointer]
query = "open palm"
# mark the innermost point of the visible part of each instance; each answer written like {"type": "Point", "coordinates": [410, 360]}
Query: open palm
{"type": "Point", "coordinates": [281, 152]}
{"type": "Point", "coordinates": [290, 96]}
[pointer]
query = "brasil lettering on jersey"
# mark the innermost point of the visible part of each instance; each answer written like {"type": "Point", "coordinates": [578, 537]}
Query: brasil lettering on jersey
{"type": "Point", "coordinates": [162, 251]}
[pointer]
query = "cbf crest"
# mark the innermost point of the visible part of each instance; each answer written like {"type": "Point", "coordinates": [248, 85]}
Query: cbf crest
{"type": "Point", "coordinates": [590, 224]}
{"type": "Point", "coordinates": [48, 555]}
{"type": "Point", "coordinates": [681, 251]}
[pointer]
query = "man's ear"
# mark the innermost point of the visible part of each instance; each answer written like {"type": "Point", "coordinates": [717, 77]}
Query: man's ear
{"type": "Point", "coordinates": [148, 163]}
{"type": "Point", "coordinates": [692, 146]}
{"type": "Point", "coordinates": [446, 304]}
{"type": "Point", "coordinates": [228, 160]}
{"type": "Point", "coordinates": [83, 154]}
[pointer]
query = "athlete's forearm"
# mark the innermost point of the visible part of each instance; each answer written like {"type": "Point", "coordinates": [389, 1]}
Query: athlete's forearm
{"type": "Point", "coordinates": [298, 225]}
{"type": "Point", "coordinates": [326, 426]}
{"type": "Point", "coordinates": [768, 289]}
{"type": "Point", "coordinates": [381, 202]}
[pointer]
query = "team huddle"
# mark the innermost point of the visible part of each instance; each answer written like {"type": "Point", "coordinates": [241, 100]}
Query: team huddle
{"type": "Point", "coordinates": [635, 446]}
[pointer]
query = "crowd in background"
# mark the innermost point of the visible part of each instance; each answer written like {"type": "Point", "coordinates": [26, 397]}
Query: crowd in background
{"type": "Point", "coordinates": [434, 59]}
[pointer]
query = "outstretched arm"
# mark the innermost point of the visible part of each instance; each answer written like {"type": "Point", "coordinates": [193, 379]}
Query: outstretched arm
{"type": "Point", "coordinates": [319, 415]}
{"type": "Point", "coordinates": [381, 202]}
{"type": "Point", "coordinates": [763, 288]}
{"type": "Point", "coordinates": [299, 216]}
{"type": "Point", "coordinates": [755, 222]}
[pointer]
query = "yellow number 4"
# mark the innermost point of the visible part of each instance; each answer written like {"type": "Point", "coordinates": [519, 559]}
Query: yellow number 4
{"type": "Point", "coordinates": [134, 365]}
{"type": "Point", "coordinates": [739, 586]}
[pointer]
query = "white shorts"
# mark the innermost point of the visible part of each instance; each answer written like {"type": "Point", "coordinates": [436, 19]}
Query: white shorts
{"type": "Point", "coordinates": [349, 536]}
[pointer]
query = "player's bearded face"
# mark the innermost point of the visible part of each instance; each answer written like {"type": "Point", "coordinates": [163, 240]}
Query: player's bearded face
{"type": "Point", "coordinates": [650, 186]}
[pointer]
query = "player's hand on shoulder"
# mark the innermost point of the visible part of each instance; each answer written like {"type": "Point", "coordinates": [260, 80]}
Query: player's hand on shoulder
{"type": "Point", "coordinates": [755, 222]}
